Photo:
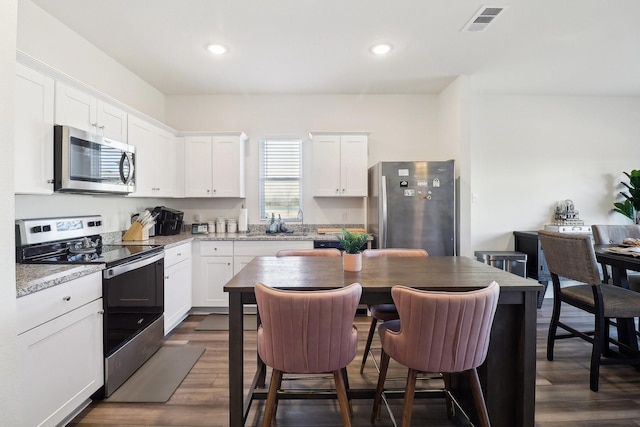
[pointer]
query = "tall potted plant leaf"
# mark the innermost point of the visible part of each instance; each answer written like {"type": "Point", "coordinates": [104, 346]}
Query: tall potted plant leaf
{"type": "Point", "coordinates": [630, 207]}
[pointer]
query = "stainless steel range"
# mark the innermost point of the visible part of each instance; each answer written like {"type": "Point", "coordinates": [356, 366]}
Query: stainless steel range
{"type": "Point", "coordinates": [132, 286]}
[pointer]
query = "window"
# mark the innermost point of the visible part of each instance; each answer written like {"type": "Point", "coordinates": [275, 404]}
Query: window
{"type": "Point", "coordinates": [280, 178]}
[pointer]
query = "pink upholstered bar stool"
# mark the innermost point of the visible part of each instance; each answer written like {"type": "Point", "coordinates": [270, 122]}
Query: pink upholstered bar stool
{"type": "Point", "coordinates": [307, 332]}
{"type": "Point", "coordinates": [445, 332]}
{"type": "Point", "coordinates": [384, 312]}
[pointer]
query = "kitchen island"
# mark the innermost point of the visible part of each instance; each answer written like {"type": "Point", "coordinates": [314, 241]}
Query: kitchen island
{"type": "Point", "coordinates": [508, 374]}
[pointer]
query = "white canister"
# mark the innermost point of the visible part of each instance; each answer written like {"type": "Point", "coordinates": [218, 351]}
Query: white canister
{"type": "Point", "coordinates": [220, 225]}
{"type": "Point", "coordinates": [211, 226]}
{"type": "Point", "coordinates": [232, 225]}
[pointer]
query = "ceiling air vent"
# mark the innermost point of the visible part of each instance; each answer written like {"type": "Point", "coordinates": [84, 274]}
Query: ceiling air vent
{"type": "Point", "coordinates": [482, 18]}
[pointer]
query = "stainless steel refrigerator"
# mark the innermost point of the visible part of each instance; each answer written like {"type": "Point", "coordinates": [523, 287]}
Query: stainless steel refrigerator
{"type": "Point", "coordinates": [412, 205]}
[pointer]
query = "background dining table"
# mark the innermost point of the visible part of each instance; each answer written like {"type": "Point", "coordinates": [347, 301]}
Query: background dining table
{"type": "Point", "coordinates": [508, 374]}
{"type": "Point", "coordinates": [619, 264]}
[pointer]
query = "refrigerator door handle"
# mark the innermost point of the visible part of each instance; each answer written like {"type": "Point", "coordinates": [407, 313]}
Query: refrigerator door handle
{"type": "Point", "coordinates": [383, 198]}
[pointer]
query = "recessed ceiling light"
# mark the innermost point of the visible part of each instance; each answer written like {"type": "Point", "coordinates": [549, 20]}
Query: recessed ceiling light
{"type": "Point", "coordinates": [217, 49]}
{"type": "Point", "coordinates": [381, 48]}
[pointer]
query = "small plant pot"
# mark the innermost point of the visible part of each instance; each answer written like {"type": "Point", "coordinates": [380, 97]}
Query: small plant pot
{"type": "Point", "coordinates": [352, 262]}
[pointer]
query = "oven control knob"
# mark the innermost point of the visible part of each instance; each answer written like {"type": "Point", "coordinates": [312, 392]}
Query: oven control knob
{"type": "Point", "coordinates": [36, 229]}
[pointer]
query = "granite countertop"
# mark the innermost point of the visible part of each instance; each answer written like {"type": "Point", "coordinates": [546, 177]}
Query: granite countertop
{"type": "Point", "coordinates": [31, 278]}
{"type": "Point", "coordinates": [35, 277]}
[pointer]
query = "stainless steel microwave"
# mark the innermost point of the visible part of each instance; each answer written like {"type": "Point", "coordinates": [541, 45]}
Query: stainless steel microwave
{"type": "Point", "coordinates": [84, 162]}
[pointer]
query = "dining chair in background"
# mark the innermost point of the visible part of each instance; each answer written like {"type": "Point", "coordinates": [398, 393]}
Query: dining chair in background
{"type": "Point", "coordinates": [332, 252]}
{"type": "Point", "coordinates": [438, 332]}
{"type": "Point", "coordinates": [384, 312]}
{"type": "Point", "coordinates": [615, 234]}
{"type": "Point", "coordinates": [573, 257]}
{"type": "Point", "coordinates": [307, 332]}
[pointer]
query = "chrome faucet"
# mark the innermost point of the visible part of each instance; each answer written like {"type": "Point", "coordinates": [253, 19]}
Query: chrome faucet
{"type": "Point", "coordinates": [300, 216]}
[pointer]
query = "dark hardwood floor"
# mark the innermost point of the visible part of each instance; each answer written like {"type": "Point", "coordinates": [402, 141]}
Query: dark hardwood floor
{"type": "Point", "coordinates": [563, 397]}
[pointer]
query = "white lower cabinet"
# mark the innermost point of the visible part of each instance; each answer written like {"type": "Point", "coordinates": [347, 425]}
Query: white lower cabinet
{"type": "Point", "coordinates": [244, 252]}
{"type": "Point", "coordinates": [60, 349]}
{"type": "Point", "coordinates": [216, 262]}
{"type": "Point", "coordinates": [177, 285]}
{"type": "Point", "coordinates": [213, 269]}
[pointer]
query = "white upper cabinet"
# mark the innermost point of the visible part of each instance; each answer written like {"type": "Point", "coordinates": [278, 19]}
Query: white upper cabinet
{"type": "Point", "coordinates": [155, 161]}
{"type": "Point", "coordinates": [339, 164]}
{"type": "Point", "coordinates": [82, 110]}
{"type": "Point", "coordinates": [33, 132]}
{"type": "Point", "coordinates": [214, 165]}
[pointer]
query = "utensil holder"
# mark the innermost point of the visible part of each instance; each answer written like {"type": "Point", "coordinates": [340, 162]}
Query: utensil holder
{"type": "Point", "coordinates": [136, 233]}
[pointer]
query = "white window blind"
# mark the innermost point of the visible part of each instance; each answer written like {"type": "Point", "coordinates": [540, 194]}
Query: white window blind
{"type": "Point", "coordinates": [280, 178]}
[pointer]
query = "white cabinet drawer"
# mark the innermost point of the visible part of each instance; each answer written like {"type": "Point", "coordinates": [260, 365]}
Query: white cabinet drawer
{"type": "Point", "coordinates": [176, 254]}
{"type": "Point", "coordinates": [40, 307]}
{"type": "Point", "coordinates": [216, 248]}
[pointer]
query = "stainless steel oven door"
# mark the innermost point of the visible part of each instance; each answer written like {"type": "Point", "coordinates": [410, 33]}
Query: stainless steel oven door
{"type": "Point", "coordinates": [86, 162]}
{"type": "Point", "coordinates": [133, 298]}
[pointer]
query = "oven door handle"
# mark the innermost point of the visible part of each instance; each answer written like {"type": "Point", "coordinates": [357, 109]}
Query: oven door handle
{"type": "Point", "coordinates": [112, 272]}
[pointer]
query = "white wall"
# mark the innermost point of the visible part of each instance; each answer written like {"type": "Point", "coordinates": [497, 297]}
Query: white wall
{"type": "Point", "coordinates": [453, 130]}
{"type": "Point", "coordinates": [47, 39]}
{"type": "Point", "coordinates": [530, 152]}
{"type": "Point", "coordinates": [116, 210]}
{"type": "Point", "coordinates": [403, 127]}
{"type": "Point", "coordinates": [9, 401]}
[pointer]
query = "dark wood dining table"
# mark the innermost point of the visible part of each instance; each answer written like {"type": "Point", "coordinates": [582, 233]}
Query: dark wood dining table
{"type": "Point", "coordinates": [619, 265]}
{"type": "Point", "coordinates": [508, 374]}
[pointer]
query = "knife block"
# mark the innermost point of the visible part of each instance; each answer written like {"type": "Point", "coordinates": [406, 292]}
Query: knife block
{"type": "Point", "coordinates": [135, 233]}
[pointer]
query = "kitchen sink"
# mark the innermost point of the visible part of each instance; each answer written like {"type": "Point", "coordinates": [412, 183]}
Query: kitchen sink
{"type": "Point", "coordinates": [256, 234]}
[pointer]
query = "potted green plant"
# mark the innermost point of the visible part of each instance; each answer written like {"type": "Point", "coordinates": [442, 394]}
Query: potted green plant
{"type": "Point", "coordinates": [630, 207]}
{"type": "Point", "coordinates": [352, 244]}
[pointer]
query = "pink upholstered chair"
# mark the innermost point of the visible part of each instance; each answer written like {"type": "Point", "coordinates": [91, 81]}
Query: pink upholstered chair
{"type": "Point", "coordinates": [309, 252]}
{"type": "Point", "coordinates": [297, 336]}
{"type": "Point", "coordinates": [443, 332]}
{"type": "Point", "coordinates": [384, 312]}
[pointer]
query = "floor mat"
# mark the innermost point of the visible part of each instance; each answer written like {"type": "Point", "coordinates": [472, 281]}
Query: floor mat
{"type": "Point", "coordinates": [159, 377]}
{"type": "Point", "coordinates": [220, 322]}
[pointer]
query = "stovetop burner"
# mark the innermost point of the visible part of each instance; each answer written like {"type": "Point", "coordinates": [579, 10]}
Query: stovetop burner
{"type": "Point", "coordinates": [110, 255]}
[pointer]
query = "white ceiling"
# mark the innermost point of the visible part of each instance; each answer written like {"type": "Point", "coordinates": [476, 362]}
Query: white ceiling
{"type": "Point", "coordinates": [321, 46]}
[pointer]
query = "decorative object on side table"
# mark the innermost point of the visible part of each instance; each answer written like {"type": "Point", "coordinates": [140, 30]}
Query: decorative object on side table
{"type": "Point", "coordinates": [566, 214]}
{"type": "Point", "coordinates": [631, 205]}
{"type": "Point", "coordinates": [352, 244]}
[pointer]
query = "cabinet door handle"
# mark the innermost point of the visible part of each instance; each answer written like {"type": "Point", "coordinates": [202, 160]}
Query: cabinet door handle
{"type": "Point", "coordinates": [166, 277]}
{"type": "Point", "coordinates": [101, 127]}
{"type": "Point", "coordinates": [179, 254]}
{"type": "Point", "coordinates": [95, 125]}
{"type": "Point", "coordinates": [67, 298]}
